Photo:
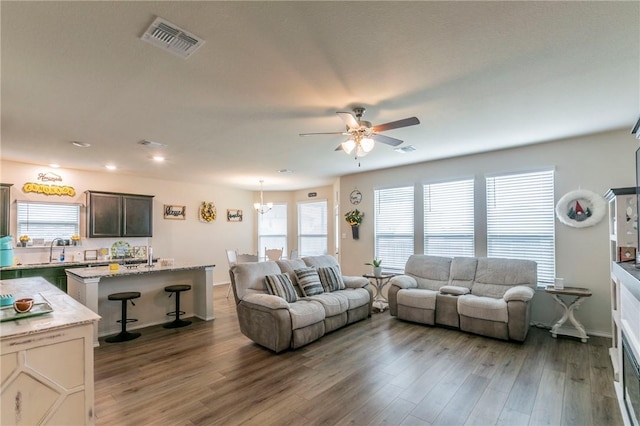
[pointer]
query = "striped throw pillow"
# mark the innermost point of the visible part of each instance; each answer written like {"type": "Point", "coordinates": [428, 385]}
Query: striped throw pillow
{"type": "Point", "coordinates": [280, 285]}
{"type": "Point", "coordinates": [331, 278]}
{"type": "Point", "coordinates": [309, 281]}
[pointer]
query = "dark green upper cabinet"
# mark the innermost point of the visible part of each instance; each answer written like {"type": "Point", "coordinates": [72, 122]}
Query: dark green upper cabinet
{"type": "Point", "coordinates": [5, 204]}
{"type": "Point", "coordinates": [119, 215]}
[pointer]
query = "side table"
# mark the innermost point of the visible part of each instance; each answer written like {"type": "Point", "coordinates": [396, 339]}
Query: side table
{"type": "Point", "coordinates": [379, 282]}
{"type": "Point", "coordinates": [580, 295]}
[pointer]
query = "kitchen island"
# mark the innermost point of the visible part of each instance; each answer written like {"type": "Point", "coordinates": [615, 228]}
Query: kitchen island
{"type": "Point", "coordinates": [91, 286]}
{"type": "Point", "coordinates": [47, 360]}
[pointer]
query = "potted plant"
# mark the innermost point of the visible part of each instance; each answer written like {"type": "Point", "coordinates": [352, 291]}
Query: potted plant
{"type": "Point", "coordinates": [377, 268]}
{"type": "Point", "coordinates": [24, 239]}
{"type": "Point", "coordinates": [354, 219]}
{"type": "Point", "coordinates": [75, 239]}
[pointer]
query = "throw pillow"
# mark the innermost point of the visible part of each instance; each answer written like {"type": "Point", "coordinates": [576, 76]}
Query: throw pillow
{"type": "Point", "coordinates": [280, 285]}
{"type": "Point", "coordinates": [309, 281]}
{"type": "Point", "coordinates": [331, 278]}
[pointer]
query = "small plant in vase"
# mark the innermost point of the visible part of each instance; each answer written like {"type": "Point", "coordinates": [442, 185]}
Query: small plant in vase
{"type": "Point", "coordinates": [377, 267]}
{"type": "Point", "coordinates": [354, 219]}
{"type": "Point", "coordinates": [75, 239]}
{"type": "Point", "coordinates": [24, 239]}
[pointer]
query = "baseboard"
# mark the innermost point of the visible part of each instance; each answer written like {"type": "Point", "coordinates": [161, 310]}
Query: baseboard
{"type": "Point", "coordinates": [589, 332]}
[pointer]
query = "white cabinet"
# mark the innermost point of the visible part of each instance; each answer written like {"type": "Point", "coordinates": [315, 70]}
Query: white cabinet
{"type": "Point", "coordinates": [46, 366]}
{"type": "Point", "coordinates": [623, 241]}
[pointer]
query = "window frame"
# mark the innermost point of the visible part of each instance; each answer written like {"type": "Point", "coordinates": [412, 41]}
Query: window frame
{"type": "Point", "coordinates": [325, 234]}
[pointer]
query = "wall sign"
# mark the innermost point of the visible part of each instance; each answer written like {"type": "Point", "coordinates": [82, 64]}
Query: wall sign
{"type": "Point", "coordinates": [175, 212]}
{"type": "Point", "coordinates": [234, 215]}
{"type": "Point", "coordinates": [49, 188]}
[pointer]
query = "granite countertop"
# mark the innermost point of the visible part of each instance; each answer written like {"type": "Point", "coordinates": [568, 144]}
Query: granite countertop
{"type": "Point", "coordinates": [67, 312]}
{"type": "Point", "coordinates": [55, 264]}
{"type": "Point", "coordinates": [105, 271]}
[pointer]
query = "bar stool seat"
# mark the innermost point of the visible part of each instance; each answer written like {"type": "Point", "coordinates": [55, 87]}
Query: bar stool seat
{"type": "Point", "coordinates": [177, 289]}
{"type": "Point", "coordinates": [124, 335]}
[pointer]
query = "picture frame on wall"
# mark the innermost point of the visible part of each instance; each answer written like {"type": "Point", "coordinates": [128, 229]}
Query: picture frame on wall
{"type": "Point", "coordinates": [175, 212]}
{"type": "Point", "coordinates": [234, 215]}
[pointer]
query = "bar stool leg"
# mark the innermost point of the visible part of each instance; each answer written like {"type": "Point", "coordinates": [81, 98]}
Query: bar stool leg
{"type": "Point", "coordinates": [177, 323]}
{"type": "Point", "coordinates": [124, 335]}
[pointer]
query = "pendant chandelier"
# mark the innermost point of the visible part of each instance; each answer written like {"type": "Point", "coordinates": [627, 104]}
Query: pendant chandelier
{"type": "Point", "coordinates": [261, 207]}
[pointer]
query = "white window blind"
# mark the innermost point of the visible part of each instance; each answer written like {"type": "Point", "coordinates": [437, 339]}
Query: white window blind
{"type": "Point", "coordinates": [272, 229]}
{"type": "Point", "coordinates": [312, 228]}
{"type": "Point", "coordinates": [448, 218]}
{"type": "Point", "coordinates": [48, 220]}
{"type": "Point", "coordinates": [394, 226]}
{"type": "Point", "coordinates": [520, 220]}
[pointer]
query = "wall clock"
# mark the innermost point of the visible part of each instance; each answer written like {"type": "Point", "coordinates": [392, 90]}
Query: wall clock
{"type": "Point", "coordinates": [355, 197]}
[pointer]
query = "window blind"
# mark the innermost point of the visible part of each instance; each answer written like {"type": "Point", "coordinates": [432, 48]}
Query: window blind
{"type": "Point", "coordinates": [394, 228]}
{"type": "Point", "coordinates": [272, 229]}
{"type": "Point", "coordinates": [449, 218]}
{"type": "Point", "coordinates": [521, 221]}
{"type": "Point", "coordinates": [48, 220]}
{"type": "Point", "coordinates": [312, 228]}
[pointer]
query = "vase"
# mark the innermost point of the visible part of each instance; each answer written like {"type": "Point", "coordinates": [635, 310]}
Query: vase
{"type": "Point", "coordinates": [355, 232]}
{"type": "Point", "coordinates": [23, 243]}
{"type": "Point", "coordinates": [377, 271]}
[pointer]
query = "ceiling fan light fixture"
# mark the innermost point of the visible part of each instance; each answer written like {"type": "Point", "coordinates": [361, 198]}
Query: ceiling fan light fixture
{"type": "Point", "coordinates": [348, 146]}
{"type": "Point", "coordinates": [360, 152]}
{"type": "Point", "coordinates": [367, 144]}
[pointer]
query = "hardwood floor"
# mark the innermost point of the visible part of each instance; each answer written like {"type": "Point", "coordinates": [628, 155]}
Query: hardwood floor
{"type": "Point", "coordinates": [377, 371]}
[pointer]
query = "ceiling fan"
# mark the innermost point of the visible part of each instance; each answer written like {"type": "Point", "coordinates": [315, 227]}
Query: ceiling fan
{"type": "Point", "coordinates": [363, 135]}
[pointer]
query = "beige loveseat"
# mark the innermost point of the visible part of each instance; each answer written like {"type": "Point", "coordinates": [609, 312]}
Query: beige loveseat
{"type": "Point", "coordinates": [285, 321]}
{"type": "Point", "coordinates": [487, 296]}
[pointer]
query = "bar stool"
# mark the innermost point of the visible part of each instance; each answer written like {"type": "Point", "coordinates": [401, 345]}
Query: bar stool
{"type": "Point", "coordinates": [177, 289]}
{"type": "Point", "coordinates": [124, 335]}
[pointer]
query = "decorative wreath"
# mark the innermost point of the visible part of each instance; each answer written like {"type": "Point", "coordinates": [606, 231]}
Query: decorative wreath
{"type": "Point", "coordinates": [581, 208]}
{"type": "Point", "coordinates": [207, 212]}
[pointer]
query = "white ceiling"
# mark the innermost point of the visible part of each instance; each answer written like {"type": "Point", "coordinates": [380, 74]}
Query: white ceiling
{"type": "Point", "coordinates": [480, 76]}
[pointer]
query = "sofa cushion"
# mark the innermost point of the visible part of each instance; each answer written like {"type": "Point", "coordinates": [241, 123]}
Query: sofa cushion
{"type": "Point", "coordinates": [280, 285]}
{"type": "Point", "coordinates": [333, 303]}
{"type": "Point", "coordinates": [331, 278]}
{"type": "Point", "coordinates": [320, 261]}
{"type": "Point", "coordinates": [417, 298]}
{"type": "Point", "coordinates": [249, 277]}
{"type": "Point", "coordinates": [430, 272]}
{"type": "Point", "coordinates": [289, 266]}
{"type": "Point", "coordinates": [356, 296]}
{"type": "Point", "coordinates": [309, 281]}
{"type": "Point", "coordinates": [486, 308]}
{"type": "Point", "coordinates": [305, 313]}
{"type": "Point", "coordinates": [494, 276]}
{"type": "Point", "coordinates": [463, 271]}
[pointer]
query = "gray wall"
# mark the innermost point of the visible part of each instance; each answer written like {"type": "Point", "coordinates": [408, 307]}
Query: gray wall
{"type": "Point", "coordinates": [594, 162]}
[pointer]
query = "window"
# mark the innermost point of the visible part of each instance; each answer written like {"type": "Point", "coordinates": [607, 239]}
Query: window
{"type": "Point", "coordinates": [312, 228]}
{"type": "Point", "coordinates": [520, 220]}
{"type": "Point", "coordinates": [48, 220]}
{"type": "Point", "coordinates": [448, 218]}
{"type": "Point", "coordinates": [272, 229]}
{"type": "Point", "coordinates": [394, 226]}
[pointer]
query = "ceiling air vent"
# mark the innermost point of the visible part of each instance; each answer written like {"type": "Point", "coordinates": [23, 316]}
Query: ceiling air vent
{"type": "Point", "coordinates": [170, 37]}
{"type": "Point", "coordinates": [405, 149]}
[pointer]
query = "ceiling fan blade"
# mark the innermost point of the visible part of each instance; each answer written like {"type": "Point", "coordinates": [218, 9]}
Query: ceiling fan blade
{"type": "Point", "coordinates": [325, 133]}
{"type": "Point", "coordinates": [349, 119]}
{"type": "Point", "coordinates": [412, 121]}
{"type": "Point", "coordinates": [386, 139]}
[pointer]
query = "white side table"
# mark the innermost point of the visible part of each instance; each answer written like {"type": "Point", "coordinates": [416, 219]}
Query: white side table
{"type": "Point", "coordinates": [379, 283]}
{"type": "Point", "coordinates": [580, 294]}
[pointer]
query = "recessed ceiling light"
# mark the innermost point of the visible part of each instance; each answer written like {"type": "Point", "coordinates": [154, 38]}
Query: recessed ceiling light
{"type": "Point", "coordinates": [80, 144]}
{"type": "Point", "coordinates": [54, 165]}
{"type": "Point", "coordinates": [111, 167]}
{"type": "Point", "coordinates": [158, 158]}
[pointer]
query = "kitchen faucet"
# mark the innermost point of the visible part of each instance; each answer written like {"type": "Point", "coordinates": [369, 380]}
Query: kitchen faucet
{"type": "Point", "coordinates": [51, 248]}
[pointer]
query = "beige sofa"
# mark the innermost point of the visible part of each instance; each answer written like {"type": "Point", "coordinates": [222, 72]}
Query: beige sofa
{"type": "Point", "coordinates": [486, 296]}
{"type": "Point", "coordinates": [277, 324]}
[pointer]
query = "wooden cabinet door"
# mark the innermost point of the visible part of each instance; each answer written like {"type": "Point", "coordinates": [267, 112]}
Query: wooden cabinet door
{"type": "Point", "coordinates": [137, 216]}
{"type": "Point", "coordinates": [5, 202]}
{"type": "Point", "coordinates": [105, 215]}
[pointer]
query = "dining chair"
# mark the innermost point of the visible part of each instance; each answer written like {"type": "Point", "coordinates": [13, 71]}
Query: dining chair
{"type": "Point", "coordinates": [232, 258]}
{"type": "Point", "coordinates": [273, 254]}
{"type": "Point", "coordinates": [294, 254]}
